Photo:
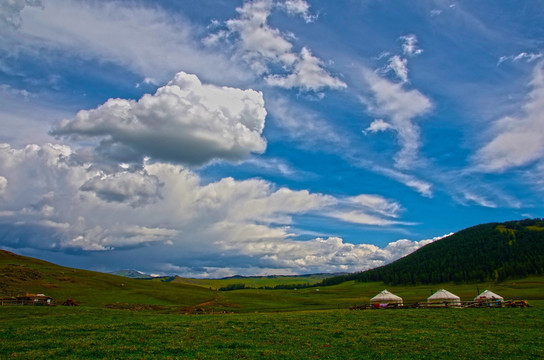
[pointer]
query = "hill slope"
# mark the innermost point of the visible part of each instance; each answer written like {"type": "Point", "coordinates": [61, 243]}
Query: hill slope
{"type": "Point", "coordinates": [487, 252]}
{"type": "Point", "coordinates": [24, 274]}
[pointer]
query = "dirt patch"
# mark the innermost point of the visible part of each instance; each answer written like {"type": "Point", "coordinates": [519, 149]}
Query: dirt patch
{"type": "Point", "coordinates": [215, 306]}
{"type": "Point", "coordinates": [136, 307]}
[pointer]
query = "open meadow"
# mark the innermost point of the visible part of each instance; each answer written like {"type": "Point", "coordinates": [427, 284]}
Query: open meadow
{"type": "Point", "coordinates": [125, 318]}
{"type": "Point", "coordinates": [83, 333]}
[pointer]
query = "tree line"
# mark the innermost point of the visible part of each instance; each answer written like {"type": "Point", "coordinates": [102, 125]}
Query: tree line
{"type": "Point", "coordinates": [488, 252]}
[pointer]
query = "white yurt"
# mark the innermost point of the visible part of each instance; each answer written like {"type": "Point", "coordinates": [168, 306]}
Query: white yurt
{"type": "Point", "coordinates": [386, 297]}
{"type": "Point", "coordinates": [444, 297]}
{"type": "Point", "coordinates": [487, 296]}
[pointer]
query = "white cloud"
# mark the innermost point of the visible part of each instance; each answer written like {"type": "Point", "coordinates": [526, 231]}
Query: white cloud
{"type": "Point", "coordinates": [123, 33]}
{"type": "Point", "coordinates": [399, 66]}
{"type": "Point", "coordinates": [299, 7]}
{"type": "Point", "coordinates": [3, 184]}
{"type": "Point", "coordinates": [528, 57]}
{"type": "Point", "coordinates": [260, 46]}
{"type": "Point", "coordinates": [258, 42]}
{"type": "Point", "coordinates": [133, 188]}
{"type": "Point", "coordinates": [421, 186]}
{"type": "Point", "coordinates": [185, 121]}
{"type": "Point", "coordinates": [305, 125]}
{"type": "Point", "coordinates": [409, 45]}
{"type": "Point", "coordinates": [378, 125]}
{"type": "Point", "coordinates": [400, 248]}
{"type": "Point", "coordinates": [518, 139]}
{"type": "Point", "coordinates": [377, 204]}
{"type": "Point", "coordinates": [308, 74]}
{"type": "Point", "coordinates": [401, 107]}
{"type": "Point", "coordinates": [10, 91]}
{"type": "Point", "coordinates": [369, 209]}
{"type": "Point", "coordinates": [273, 166]}
{"type": "Point", "coordinates": [55, 202]}
{"type": "Point", "coordinates": [363, 218]}
{"type": "Point", "coordinates": [10, 13]}
{"type": "Point", "coordinates": [479, 200]}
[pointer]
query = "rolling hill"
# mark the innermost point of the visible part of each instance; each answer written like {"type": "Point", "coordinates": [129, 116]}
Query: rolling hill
{"type": "Point", "coordinates": [487, 252]}
{"type": "Point", "coordinates": [25, 274]}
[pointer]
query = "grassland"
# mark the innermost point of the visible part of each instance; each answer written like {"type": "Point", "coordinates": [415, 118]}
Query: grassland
{"type": "Point", "coordinates": [252, 282]}
{"type": "Point", "coordinates": [125, 318]}
{"type": "Point", "coordinates": [77, 333]}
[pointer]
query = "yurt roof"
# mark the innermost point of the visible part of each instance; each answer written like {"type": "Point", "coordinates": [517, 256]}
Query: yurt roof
{"type": "Point", "coordinates": [443, 294]}
{"type": "Point", "coordinates": [386, 295]}
{"type": "Point", "coordinates": [486, 294]}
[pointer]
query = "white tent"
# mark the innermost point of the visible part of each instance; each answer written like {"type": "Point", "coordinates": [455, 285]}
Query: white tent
{"type": "Point", "coordinates": [385, 297]}
{"type": "Point", "coordinates": [488, 295]}
{"type": "Point", "coordinates": [444, 297]}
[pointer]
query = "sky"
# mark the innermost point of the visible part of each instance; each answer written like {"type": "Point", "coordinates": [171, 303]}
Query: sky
{"type": "Point", "coordinates": [215, 138]}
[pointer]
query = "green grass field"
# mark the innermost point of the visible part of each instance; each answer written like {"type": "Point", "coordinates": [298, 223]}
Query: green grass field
{"type": "Point", "coordinates": [252, 282]}
{"type": "Point", "coordinates": [78, 333]}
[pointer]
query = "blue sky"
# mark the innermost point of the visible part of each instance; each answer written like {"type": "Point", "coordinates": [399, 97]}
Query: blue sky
{"type": "Point", "coordinates": [264, 137]}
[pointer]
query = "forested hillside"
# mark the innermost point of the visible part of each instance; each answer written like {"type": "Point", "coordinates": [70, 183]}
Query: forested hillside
{"type": "Point", "coordinates": [494, 251]}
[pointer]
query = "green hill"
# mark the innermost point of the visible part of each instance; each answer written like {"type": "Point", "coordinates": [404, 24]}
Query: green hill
{"type": "Point", "coordinates": [488, 252]}
{"type": "Point", "coordinates": [25, 274]}
{"type": "Point", "coordinates": [256, 282]}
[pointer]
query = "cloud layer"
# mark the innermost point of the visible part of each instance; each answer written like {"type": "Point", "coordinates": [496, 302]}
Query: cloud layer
{"type": "Point", "coordinates": [167, 208]}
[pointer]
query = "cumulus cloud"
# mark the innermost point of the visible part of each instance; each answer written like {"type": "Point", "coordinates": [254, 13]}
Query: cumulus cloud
{"type": "Point", "coordinates": [10, 13]}
{"type": "Point", "coordinates": [133, 188]}
{"type": "Point", "coordinates": [185, 121]}
{"type": "Point", "coordinates": [53, 201]}
{"type": "Point", "coordinates": [518, 139]}
{"type": "Point", "coordinates": [400, 107]}
{"type": "Point", "coordinates": [260, 46]}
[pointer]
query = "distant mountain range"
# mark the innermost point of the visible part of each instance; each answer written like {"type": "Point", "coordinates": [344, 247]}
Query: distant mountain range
{"type": "Point", "coordinates": [322, 275]}
{"type": "Point", "coordinates": [133, 274]}
{"type": "Point", "coordinates": [487, 252]}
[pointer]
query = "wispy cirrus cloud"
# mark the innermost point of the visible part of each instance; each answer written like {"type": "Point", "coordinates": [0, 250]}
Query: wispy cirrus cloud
{"type": "Point", "coordinates": [118, 32]}
{"type": "Point", "coordinates": [518, 139]}
{"type": "Point", "coordinates": [523, 56]}
{"type": "Point", "coordinates": [400, 107]}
